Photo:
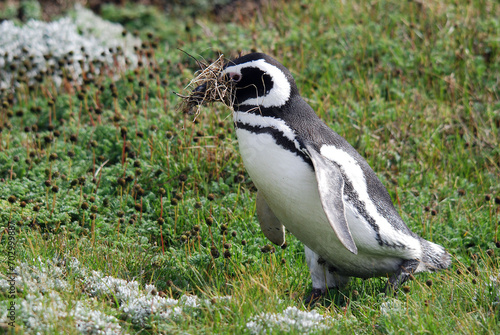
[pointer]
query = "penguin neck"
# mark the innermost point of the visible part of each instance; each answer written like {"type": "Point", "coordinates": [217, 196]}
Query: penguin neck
{"type": "Point", "coordinates": [275, 112]}
{"type": "Point", "coordinates": [267, 121]}
{"type": "Point", "coordinates": [293, 110]}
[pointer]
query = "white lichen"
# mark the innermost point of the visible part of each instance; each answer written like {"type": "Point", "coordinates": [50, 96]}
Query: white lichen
{"type": "Point", "coordinates": [292, 319]}
{"type": "Point", "coordinates": [38, 46]}
{"type": "Point", "coordinates": [45, 283]}
{"type": "Point", "coordinates": [90, 321]}
{"type": "Point", "coordinates": [391, 307]}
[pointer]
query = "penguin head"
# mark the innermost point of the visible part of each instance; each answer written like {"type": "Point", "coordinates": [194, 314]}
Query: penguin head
{"type": "Point", "coordinates": [259, 80]}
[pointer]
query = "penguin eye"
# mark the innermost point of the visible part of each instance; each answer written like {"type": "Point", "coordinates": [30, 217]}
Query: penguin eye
{"type": "Point", "coordinates": [236, 77]}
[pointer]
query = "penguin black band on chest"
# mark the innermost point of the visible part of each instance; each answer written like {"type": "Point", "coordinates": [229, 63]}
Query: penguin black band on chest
{"type": "Point", "coordinates": [278, 136]}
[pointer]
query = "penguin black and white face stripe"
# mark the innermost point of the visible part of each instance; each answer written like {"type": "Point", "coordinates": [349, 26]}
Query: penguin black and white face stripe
{"type": "Point", "coordinates": [273, 87]}
{"type": "Point", "coordinates": [313, 182]}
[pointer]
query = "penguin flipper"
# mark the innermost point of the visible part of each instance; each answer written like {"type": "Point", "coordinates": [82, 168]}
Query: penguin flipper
{"type": "Point", "coordinates": [269, 223]}
{"type": "Point", "coordinates": [331, 193]}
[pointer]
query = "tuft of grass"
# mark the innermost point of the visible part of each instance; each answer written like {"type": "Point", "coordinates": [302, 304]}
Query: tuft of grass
{"type": "Point", "coordinates": [106, 170]}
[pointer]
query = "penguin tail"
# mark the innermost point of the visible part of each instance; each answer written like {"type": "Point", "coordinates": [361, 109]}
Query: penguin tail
{"type": "Point", "coordinates": [434, 257]}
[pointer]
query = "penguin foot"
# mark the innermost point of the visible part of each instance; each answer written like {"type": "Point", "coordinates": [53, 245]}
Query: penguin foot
{"type": "Point", "coordinates": [314, 296]}
{"type": "Point", "coordinates": [405, 271]}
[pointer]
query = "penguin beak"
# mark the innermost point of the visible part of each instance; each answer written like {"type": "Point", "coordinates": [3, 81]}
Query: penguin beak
{"type": "Point", "coordinates": [200, 89]}
{"type": "Point", "coordinates": [198, 94]}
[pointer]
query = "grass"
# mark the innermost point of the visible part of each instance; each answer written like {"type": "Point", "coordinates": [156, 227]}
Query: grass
{"type": "Point", "coordinates": [139, 191]}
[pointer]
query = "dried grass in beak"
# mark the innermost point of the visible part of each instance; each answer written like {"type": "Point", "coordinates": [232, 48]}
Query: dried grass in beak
{"type": "Point", "coordinates": [209, 86]}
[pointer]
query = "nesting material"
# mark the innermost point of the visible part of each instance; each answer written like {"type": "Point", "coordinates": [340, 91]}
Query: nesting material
{"type": "Point", "coordinates": [207, 87]}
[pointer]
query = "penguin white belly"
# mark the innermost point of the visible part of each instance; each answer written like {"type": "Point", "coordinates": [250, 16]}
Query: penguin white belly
{"type": "Point", "coordinates": [290, 188]}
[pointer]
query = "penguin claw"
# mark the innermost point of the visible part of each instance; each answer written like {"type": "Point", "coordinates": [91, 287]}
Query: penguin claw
{"type": "Point", "coordinates": [404, 273]}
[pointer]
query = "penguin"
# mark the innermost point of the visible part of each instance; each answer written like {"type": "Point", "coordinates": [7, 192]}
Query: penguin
{"type": "Point", "coordinates": [313, 182]}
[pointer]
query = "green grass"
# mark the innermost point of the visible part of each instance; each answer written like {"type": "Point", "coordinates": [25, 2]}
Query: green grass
{"type": "Point", "coordinates": [414, 87]}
